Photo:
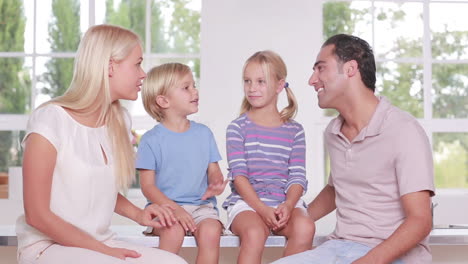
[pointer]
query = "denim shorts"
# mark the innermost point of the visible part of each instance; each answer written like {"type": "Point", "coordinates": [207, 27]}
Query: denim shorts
{"type": "Point", "coordinates": [331, 252]}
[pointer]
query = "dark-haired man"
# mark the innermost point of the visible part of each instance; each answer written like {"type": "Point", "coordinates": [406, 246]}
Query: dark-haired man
{"type": "Point", "coordinates": [381, 179]}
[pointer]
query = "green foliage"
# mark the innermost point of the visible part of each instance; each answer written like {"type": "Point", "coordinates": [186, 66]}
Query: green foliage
{"type": "Point", "coordinates": [15, 83]}
{"type": "Point", "coordinates": [64, 35]}
{"type": "Point", "coordinates": [131, 14]}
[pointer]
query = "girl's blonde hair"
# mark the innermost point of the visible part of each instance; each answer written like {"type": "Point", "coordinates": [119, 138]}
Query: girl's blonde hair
{"type": "Point", "coordinates": [158, 82]}
{"type": "Point", "coordinates": [275, 70]}
{"type": "Point", "coordinates": [89, 91]}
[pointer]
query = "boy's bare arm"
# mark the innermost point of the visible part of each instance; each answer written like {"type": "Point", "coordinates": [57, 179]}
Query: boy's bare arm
{"type": "Point", "coordinates": [216, 182]}
{"type": "Point", "coordinates": [150, 191]}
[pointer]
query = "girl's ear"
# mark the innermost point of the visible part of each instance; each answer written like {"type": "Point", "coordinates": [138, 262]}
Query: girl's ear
{"type": "Point", "coordinates": [280, 87]}
{"type": "Point", "coordinates": [162, 101]}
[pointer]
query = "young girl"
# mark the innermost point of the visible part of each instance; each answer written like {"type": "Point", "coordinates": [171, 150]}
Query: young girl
{"type": "Point", "coordinates": [266, 156]}
{"type": "Point", "coordinates": [178, 162]}
{"type": "Point", "coordinates": [78, 156]}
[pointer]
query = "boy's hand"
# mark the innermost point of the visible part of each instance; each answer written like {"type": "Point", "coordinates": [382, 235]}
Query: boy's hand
{"type": "Point", "coordinates": [214, 189]}
{"type": "Point", "coordinates": [164, 213]}
{"type": "Point", "coordinates": [185, 219]}
{"type": "Point", "coordinates": [283, 212]}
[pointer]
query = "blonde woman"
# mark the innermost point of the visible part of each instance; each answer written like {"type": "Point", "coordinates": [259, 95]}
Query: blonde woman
{"type": "Point", "coordinates": [78, 157]}
{"type": "Point", "coordinates": [266, 157]}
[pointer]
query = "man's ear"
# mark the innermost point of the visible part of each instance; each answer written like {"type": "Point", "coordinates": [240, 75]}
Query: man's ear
{"type": "Point", "coordinates": [162, 101]}
{"type": "Point", "coordinates": [351, 68]}
{"type": "Point", "coordinates": [111, 67]}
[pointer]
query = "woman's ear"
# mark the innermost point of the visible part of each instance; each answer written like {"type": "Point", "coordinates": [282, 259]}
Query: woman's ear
{"type": "Point", "coordinates": [111, 67]}
{"type": "Point", "coordinates": [162, 101]}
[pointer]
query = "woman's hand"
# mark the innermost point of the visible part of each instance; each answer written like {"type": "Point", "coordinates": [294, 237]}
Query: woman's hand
{"type": "Point", "coordinates": [185, 219]}
{"type": "Point", "coordinates": [121, 253]}
{"type": "Point", "coordinates": [164, 213]}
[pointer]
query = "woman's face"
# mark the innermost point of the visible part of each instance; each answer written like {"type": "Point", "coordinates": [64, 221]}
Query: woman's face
{"type": "Point", "coordinates": [126, 76]}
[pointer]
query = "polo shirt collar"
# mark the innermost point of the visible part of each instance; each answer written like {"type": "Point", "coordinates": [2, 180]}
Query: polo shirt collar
{"type": "Point", "coordinates": [375, 124]}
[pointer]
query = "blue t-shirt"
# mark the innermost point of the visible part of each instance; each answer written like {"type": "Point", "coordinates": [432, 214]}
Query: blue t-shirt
{"type": "Point", "coordinates": [180, 161]}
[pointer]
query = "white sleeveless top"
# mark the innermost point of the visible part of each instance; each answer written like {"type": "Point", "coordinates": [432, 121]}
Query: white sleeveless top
{"type": "Point", "coordinates": [84, 191]}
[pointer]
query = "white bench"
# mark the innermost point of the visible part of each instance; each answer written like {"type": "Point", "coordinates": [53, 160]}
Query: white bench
{"type": "Point", "coordinates": [133, 234]}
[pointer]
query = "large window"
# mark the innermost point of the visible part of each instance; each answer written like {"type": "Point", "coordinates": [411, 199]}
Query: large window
{"type": "Point", "coordinates": [421, 50]}
{"type": "Point", "coordinates": [38, 40]}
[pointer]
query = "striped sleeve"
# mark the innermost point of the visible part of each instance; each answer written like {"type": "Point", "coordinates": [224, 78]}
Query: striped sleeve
{"type": "Point", "coordinates": [237, 164]}
{"type": "Point", "coordinates": [296, 166]}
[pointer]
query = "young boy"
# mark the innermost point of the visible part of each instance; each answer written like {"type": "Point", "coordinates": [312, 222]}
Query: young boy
{"type": "Point", "coordinates": [178, 162]}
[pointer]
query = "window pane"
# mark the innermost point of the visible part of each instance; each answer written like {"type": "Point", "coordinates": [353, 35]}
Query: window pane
{"type": "Point", "coordinates": [10, 156]}
{"type": "Point", "coordinates": [449, 30]}
{"type": "Point", "coordinates": [53, 77]}
{"type": "Point", "coordinates": [127, 14]}
{"type": "Point", "coordinates": [451, 160]}
{"type": "Point", "coordinates": [184, 25]}
{"type": "Point", "coordinates": [15, 86]}
{"type": "Point", "coordinates": [135, 141]}
{"type": "Point", "coordinates": [450, 90]}
{"type": "Point", "coordinates": [398, 30]}
{"type": "Point", "coordinates": [401, 83]}
{"type": "Point", "coordinates": [348, 17]}
{"type": "Point", "coordinates": [12, 26]}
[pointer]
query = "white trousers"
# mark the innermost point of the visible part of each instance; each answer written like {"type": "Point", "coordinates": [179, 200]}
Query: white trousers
{"type": "Point", "coordinates": [54, 253]}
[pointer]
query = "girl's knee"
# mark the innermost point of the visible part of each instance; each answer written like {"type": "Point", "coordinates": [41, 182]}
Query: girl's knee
{"type": "Point", "coordinates": [303, 227]}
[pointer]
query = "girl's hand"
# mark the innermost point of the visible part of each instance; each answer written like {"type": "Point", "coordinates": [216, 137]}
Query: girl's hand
{"type": "Point", "coordinates": [122, 253]}
{"type": "Point", "coordinates": [215, 188]}
{"type": "Point", "coordinates": [164, 213]}
{"type": "Point", "coordinates": [283, 212]}
{"type": "Point", "coordinates": [185, 219]}
{"type": "Point", "coordinates": [269, 217]}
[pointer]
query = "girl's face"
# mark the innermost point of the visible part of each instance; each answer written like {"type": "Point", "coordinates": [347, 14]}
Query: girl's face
{"type": "Point", "coordinates": [183, 97]}
{"type": "Point", "coordinates": [257, 92]}
{"type": "Point", "coordinates": [125, 77]}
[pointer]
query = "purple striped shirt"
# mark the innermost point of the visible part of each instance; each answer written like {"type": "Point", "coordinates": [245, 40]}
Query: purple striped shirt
{"type": "Point", "coordinates": [271, 158]}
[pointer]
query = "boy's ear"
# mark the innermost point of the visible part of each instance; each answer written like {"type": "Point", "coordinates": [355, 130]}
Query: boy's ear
{"type": "Point", "coordinates": [162, 101]}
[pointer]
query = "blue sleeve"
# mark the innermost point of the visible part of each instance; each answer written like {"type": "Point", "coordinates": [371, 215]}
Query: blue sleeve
{"type": "Point", "coordinates": [146, 156]}
{"type": "Point", "coordinates": [214, 152]}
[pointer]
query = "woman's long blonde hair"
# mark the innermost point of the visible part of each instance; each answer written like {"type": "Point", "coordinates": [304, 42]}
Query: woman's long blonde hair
{"type": "Point", "coordinates": [275, 70]}
{"type": "Point", "coordinates": [89, 91]}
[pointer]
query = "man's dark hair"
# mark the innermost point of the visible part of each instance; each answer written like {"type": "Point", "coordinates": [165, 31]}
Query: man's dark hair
{"type": "Point", "coordinates": [348, 47]}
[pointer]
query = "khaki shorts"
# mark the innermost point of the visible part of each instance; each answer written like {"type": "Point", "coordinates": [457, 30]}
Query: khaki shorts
{"type": "Point", "coordinates": [198, 213]}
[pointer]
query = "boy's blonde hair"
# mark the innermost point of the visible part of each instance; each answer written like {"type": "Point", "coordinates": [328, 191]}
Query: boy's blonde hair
{"type": "Point", "coordinates": [158, 82]}
{"type": "Point", "coordinates": [89, 91]}
{"type": "Point", "coordinates": [274, 69]}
